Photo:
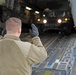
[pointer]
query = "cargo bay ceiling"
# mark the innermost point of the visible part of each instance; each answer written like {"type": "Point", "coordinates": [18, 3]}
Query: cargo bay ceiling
{"type": "Point", "coordinates": [43, 4]}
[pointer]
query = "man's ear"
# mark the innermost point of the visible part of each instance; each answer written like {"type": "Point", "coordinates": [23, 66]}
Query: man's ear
{"type": "Point", "coordinates": [19, 30]}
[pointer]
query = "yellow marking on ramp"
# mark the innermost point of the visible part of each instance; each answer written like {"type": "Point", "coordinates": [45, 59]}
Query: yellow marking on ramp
{"type": "Point", "coordinates": [37, 71]}
{"type": "Point", "coordinates": [47, 73]}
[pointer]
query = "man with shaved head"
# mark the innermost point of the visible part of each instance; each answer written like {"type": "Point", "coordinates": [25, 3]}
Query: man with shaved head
{"type": "Point", "coordinates": [13, 26]}
{"type": "Point", "coordinates": [16, 56]}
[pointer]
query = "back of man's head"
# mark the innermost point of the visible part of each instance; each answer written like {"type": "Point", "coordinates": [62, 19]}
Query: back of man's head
{"type": "Point", "coordinates": [13, 24]}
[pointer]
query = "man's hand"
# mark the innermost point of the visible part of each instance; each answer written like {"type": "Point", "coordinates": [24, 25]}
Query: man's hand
{"type": "Point", "coordinates": [34, 32]}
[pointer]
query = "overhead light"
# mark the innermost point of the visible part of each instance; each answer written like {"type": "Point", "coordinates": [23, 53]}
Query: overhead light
{"type": "Point", "coordinates": [43, 15]}
{"type": "Point", "coordinates": [44, 21]}
{"type": "Point", "coordinates": [28, 8]}
{"type": "Point", "coordinates": [66, 19]}
{"type": "Point", "coordinates": [59, 20]}
{"type": "Point", "coordinates": [36, 12]}
{"type": "Point", "coordinates": [38, 20]}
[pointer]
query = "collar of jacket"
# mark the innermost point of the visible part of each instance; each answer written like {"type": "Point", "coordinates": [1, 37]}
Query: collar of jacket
{"type": "Point", "coordinates": [11, 37]}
